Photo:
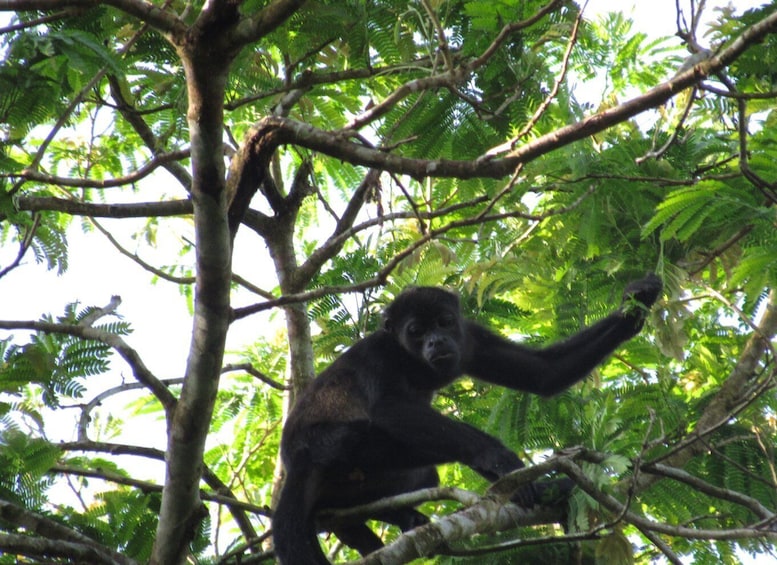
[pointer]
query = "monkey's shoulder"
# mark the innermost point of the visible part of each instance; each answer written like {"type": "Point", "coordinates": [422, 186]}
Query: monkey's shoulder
{"type": "Point", "coordinates": [372, 358]}
{"type": "Point", "coordinates": [373, 366]}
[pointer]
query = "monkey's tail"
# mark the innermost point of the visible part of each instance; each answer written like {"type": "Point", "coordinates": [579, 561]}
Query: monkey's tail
{"type": "Point", "coordinates": [294, 529]}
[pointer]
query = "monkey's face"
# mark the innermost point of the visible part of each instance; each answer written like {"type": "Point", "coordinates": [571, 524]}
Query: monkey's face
{"type": "Point", "coordinates": [427, 324]}
{"type": "Point", "coordinates": [435, 340]}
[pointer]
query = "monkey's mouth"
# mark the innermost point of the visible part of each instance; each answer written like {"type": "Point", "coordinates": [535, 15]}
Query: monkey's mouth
{"type": "Point", "coordinates": [443, 358]}
{"type": "Point", "coordinates": [445, 362]}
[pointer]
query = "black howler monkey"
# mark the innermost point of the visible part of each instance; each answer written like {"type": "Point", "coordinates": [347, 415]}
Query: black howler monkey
{"type": "Point", "coordinates": [365, 429]}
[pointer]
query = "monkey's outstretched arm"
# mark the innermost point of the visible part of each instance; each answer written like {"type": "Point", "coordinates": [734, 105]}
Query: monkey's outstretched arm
{"type": "Point", "coordinates": [552, 369]}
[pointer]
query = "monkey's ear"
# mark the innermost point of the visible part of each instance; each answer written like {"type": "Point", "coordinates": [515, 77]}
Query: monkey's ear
{"type": "Point", "coordinates": [388, 324]}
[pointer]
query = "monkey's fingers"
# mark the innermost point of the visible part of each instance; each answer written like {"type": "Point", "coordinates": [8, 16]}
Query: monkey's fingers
{"type": "Point", "coordinates": [644, 291]}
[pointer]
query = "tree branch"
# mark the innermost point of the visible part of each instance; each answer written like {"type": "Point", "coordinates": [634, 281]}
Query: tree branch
{"type": "Point", "coordinates": [15, 544]}
{"type": "Point", "coordinates": [57, 540]}
{"type": "Point", "coordinates": [487, 516]}
{"type": "Point", "coordinates": [703, 486]}
{"type": "Point", "coordinates": [148, 486]}
{"type": "Point", "coordinates": [452, 76]}
{"type": "Point", "coordinates": [551, 95]}
{"type": "Point", "coordinates": [733, 392]}
{"type": "Point", "coordinates": [24, 244]}
{"type": "Point", "coordinates": [492, 513]}
{"type": "Point", "coordinates": [39, 21]}
{"type": "Point", "coordinates": [161, 18]}
{"type": "Point", "coordinates": [134, 118]}
{"type": "Point", "coordinates": [407, 499]}
{"type": "Point", "coordinates": [619, 509]}
{"type": "Point", "coordinates": [144, 171]}
{"type": "Point", "coordinates": [221, 493]}
{"type": "Point", "coordinates": [139, 369]}
{"type": "Point", "coordinates": [98, 210]}
{"type": "Point", "coordinates": [311, 78]}
{"type": "Point", "coordinates": [136, 259]}
{"type": "Point", "coordinates": [248, 368]}
{"type": "Point", "coordinates": [343, 229]}
{"type": "Point", "coordinates": [382, 275]}
{"type": "Point", "coordinates": [268, 19]}
{"type": "Point", "coordinates": [275, 131]}
{"type": "Point", "coordinates": [83, 421]}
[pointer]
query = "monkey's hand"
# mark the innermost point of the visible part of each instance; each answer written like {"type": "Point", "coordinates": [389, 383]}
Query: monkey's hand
{"type": "Point", "coordinates": [527, 496]}
{"type": "Point", "coordinates": [644, 291]}
{"type": "Point", "coordinates": [544, 493]}
{"type": "Point", "coordinates": [638, 297]}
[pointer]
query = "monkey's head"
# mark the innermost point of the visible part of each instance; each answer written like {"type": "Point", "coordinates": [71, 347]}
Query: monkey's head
{"type": "Point", "coordinates": [427, 323]}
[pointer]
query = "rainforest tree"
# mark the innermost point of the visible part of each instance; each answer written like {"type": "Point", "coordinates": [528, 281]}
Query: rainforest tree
{"type": "Point", "coordinates": [286, 167]}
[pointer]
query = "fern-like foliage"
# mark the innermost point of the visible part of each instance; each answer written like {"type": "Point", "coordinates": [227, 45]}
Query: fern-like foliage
{"type": "Point", "coordinates": [58, 363]}
{"type": "Point", "coordinates": [24, 462]}
{"type": "Point", "coordinates": [122, 519]}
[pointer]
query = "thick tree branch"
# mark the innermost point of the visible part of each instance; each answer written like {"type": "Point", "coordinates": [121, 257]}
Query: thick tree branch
{"type": "Point", "coordinates": [160, 18]}
{"type": "Point", "coordinates": [15, 544]}
{"type": "Point", "coordinates": [112, 448]}
{"type": "Point", "coordinates": [148, 12]}
{"type": "Point", "coordinates": [487, 516]}
{"type": "Point", "coordinates": [404, 500]}
{"type": "Point", "coordinates": [492, 513]}
{"type": "Point", "coordinates": [56, 540]}
{"type": "Point", "coordinates": [206, 61]}
{"type": "Point", "coordinates": [276, 131]}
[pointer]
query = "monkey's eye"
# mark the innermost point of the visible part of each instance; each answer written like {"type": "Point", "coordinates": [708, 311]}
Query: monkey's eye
{"type": "Point", "coordinates": [414, 330]}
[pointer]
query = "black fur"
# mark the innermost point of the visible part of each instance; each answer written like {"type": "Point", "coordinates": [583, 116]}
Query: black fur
{"type": "Point", "coordinates": [365, 428]}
